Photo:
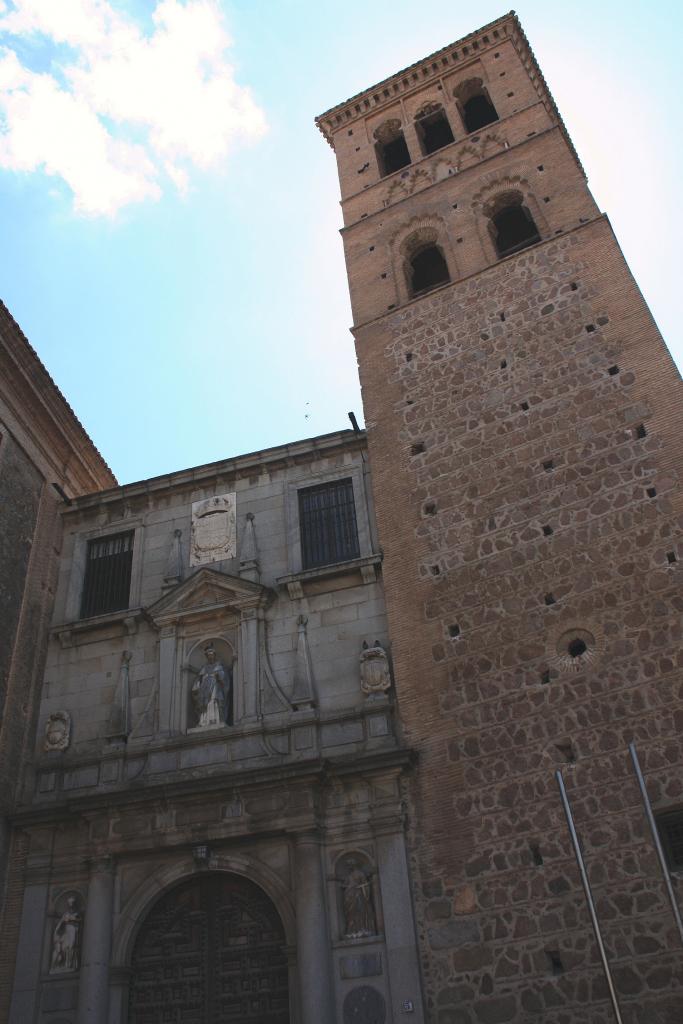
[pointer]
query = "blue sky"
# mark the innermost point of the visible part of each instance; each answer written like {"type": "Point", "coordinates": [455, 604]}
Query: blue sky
{"type": "Point", "coordinates": [179, 270]}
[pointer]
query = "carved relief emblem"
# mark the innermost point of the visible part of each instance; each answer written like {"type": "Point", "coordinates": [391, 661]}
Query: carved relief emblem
{"type": "Point", "coordinates": [214, 533]}
{"type": "Point", "coordinates": [57, 731]}
{"type": "Point", "coordinates": [374, 669]}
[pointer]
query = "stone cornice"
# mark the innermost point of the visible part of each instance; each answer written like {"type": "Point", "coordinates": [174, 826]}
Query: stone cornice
{"type": "Point", "coordinates": [318, 772]}
{"type": "Point", "coordinates": [282, 455]}
{"type": "Point", "coordinates": [42, 414]}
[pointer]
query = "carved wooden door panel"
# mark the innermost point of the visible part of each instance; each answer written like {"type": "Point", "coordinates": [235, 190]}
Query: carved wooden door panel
{"type": "Point", "coordinates": [211, 951]}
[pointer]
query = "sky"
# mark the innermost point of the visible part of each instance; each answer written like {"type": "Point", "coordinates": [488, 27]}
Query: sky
{"type": "Point", "coordinates": [170, 212]}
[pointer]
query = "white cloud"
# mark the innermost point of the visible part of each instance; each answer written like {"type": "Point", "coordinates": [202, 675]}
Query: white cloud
{"type": "Point", "coordinates": [172, 91]}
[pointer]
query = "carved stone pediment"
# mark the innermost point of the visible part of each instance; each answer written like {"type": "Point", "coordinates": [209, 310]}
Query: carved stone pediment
{"type": "Point", "coordinates": [208, 591]}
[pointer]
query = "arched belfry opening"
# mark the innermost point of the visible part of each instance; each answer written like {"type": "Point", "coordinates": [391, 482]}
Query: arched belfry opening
{"type": "Point", "coordinates": [424, 262]}
{"type": "Point", "coordinates": [433, 128]}
{"type": "Point", "coordinates": [476, 108]}
{"type": "Point", "coordinates": [211, 949]}
{"type": "Point", "coordinates": [511, 224]}
{"type": "Point", "coordinates": [390, 147]}
{"type": "Point", "coordinates": [428, 269]}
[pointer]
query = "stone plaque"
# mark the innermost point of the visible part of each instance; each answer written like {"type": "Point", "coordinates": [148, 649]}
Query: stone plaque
{"type": "Point", "coordinates": [59, 997]}
{"type": "Point", "coordinates": [214, 533]}
{"type": "Point", "coordinates": [364, 1005]}
{"type": "Point", "coordinates": [364, 966]}
{"type": "Point", "coordinates": [378, 725]}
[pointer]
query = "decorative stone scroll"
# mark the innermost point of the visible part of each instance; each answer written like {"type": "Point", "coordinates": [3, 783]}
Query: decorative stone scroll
{"type": "Point", "coordinates": [375, 677]}
{"type": "Point", "coordinates": [66, 939]}
{"type": "Point", "coordinates": [57, 731]}
{"type": "Point", "coordinates": [214, 532]}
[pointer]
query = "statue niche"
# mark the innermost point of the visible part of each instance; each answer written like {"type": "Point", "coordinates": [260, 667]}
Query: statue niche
{"type": "Point", "coordinates": [210, 690]}
{"type": "Point", "coordinates": [356, 897]}
{"type": "Point", "coordinates": [66, 938]}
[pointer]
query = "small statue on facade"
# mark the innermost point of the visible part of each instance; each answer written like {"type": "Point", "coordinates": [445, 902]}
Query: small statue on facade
{"type": "Point", "coordinates": [359, 913]}
{"type": "Point", "coordinates": [375, 677]}
{"type": "Point", "coordinates": [211, 691]}
{"type": "Point", "coordinates": [66, 939]}
{"type": "Point", "coordinates": [57, 731]}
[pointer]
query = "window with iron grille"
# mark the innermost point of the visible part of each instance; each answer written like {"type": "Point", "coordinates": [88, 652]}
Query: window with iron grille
{"type": "Point", "coordinates": [108, 564]}
{"type": "Point", "coordinates": [327, 519]}
{"type": "Point", "coordinates": [670, 828]}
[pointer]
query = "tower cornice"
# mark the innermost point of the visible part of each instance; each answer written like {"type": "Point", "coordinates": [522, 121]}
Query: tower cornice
{"type": "Point", "coordinates": [456, 55]}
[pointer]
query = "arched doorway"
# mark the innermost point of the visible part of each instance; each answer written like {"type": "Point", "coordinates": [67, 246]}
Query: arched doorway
{"type": "Point", "coordinates": [210, 951]}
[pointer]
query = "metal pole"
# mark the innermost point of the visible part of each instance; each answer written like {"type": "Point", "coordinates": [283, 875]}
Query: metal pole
{"type": "Point", "coordinates": [655, 839]}
{"type": "Point", "coordinates": [589, 896]}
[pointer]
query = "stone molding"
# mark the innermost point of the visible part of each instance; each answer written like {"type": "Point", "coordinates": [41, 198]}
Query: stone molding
{"type": "Point", "coordinates": [224, 471]}
{"type": "Point", "coordinates": [179, 869]}
{"type": "Point", "coordinates": [317, 770]}
{"type": "Point", "coordinates": [297, 582]}
{"type": "Point", "coordinates": [208, 590]}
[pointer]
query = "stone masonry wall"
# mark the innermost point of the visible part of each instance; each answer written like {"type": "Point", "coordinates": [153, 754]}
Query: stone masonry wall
{"type": "Point", "coordinates": [523, 428]}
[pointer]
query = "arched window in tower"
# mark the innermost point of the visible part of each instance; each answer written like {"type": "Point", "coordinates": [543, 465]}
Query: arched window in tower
{"type": "Point", "coordinates": [425, 264]}
{"type": "Point", "coordinates": [475, 105]}
{"type": "Point", "coordinates": [433, 128]}
{"type": "Point", "coordinates": [390, 146]}
{"type": "Point", "coordinates": [511, 224]}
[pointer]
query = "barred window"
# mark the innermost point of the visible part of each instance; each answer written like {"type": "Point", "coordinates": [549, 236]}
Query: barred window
{"type": "Point", "coordinates": [670, 828]}
{"type": "Point", "coordinates": [327, 519]}
{"type": "Point", "coordinates": [107, 574]}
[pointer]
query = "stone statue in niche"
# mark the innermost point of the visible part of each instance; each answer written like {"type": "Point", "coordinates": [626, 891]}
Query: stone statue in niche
{"type": "Point", "coordinates": [359, 913]}
{"type": "Point", "coordinates": [211, 691]}
{"type": "Point", "coordinates": [57, 731]}
{"type": "Point", "coordinates": [66, 939]}
{"type": "Point", "coordinates": [374, 669]}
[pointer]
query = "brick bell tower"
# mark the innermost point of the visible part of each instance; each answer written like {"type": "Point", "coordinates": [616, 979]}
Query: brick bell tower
{"type": "Point", "coordinates": [524, 421]}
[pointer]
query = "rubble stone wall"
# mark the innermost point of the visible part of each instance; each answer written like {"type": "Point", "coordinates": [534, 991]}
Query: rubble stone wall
{"type": "Point", "coordinates": [523, 429]}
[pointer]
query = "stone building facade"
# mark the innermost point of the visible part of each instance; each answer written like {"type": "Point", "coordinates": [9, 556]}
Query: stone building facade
{"type": "Point", "coordinates": [213, 813]}
{"type": "Point", "coordinates": [296, 747]}
{"type": "Point", "coordinates": [524, 424]}
{"type": "Point", "coordinates": [42, 444]}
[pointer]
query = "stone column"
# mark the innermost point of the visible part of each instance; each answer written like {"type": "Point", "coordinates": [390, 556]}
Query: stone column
{"type": "Point", "coordinates": [412, 141]}
{"type": "Point", "coordinates": [93, 992]}
{"type": "Point", "coordinates": [312, 933]}
{"type": "Point", "coordinates": [119, 987]}
{"type": "Point", "coordinates": [399, 926]}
